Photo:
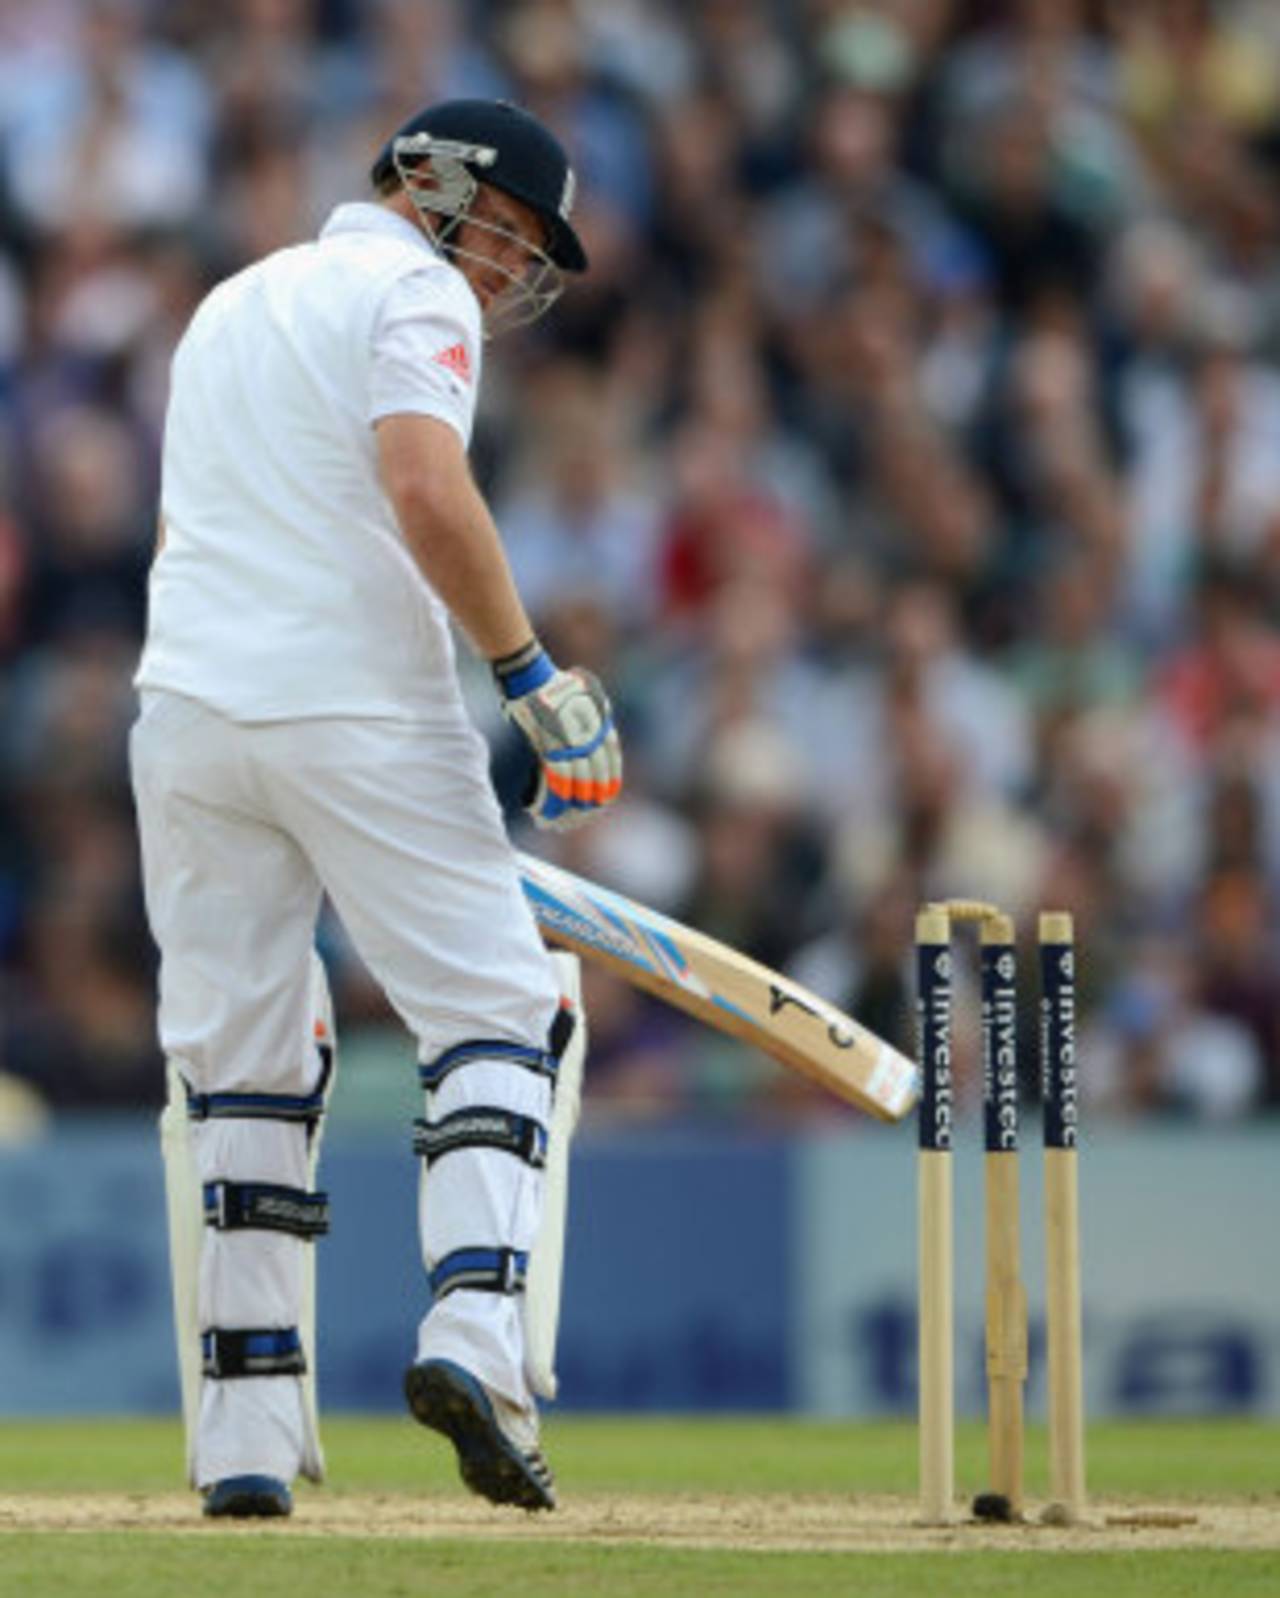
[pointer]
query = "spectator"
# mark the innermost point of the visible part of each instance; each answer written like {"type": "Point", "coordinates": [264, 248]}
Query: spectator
{"type": "Point", "coordinates": [582, 522]}
{"type": "Point", "coordinates": [92, 530]}
{"type": "Point", "coordinates": [1236, 954]}
{"type": "Point", "coordinates": [1157, 1050]}
{"type": "Point", "coordinates": [113, 124]}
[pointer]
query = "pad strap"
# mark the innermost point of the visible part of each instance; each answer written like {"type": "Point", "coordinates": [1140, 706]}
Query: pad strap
{"type": "Point", "coordinates": [266, 1207]}
{"type": "Point", "coordinates": [520, 1135]}
{"type": "Point", "coordinates": [304, 1107]}
{"type": "Point", "coordinates": [546, 1062]}
{"type": "Point", "coordinates": [502, 1050]}
{"type": "Point", "coordinates": [489, 1270]}
{"type": "Point", "coordinates": [266, 1352]}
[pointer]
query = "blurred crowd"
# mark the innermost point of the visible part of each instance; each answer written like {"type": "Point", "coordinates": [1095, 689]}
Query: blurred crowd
{"type": "Point", "coordinates": [908, 465]}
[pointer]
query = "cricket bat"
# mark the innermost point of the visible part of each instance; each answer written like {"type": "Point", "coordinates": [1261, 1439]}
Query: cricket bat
{"type": "Point", "coordinates": [728, 991]}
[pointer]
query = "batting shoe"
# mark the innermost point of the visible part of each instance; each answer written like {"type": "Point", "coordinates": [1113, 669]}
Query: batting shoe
{"type": "Point", "coordinates": [248, 1498]}
{"type": "Point", "coordinates": [497, 1458]}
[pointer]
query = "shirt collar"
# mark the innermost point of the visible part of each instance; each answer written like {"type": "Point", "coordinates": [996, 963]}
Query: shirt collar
{"type": "Point", "coordinates": [361, 216]}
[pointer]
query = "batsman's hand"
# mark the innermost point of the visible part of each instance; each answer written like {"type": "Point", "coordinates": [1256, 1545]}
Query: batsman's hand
{"type": "Point", "coordinates": [567, 718]}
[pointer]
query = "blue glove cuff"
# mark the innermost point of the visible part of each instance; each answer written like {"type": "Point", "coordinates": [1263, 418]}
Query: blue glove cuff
{"type": "Point", "coordinates": [523, 672]}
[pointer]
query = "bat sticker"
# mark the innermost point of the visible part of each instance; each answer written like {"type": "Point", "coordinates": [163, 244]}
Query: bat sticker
{"type": "Point", "coordinates": [779, 999]}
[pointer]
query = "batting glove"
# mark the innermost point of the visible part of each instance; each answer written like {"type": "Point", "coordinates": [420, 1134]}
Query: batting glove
{"type": "Point", "coordinates": [567, 718]}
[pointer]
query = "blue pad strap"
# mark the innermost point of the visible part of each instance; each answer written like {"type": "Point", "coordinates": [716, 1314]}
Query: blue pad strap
{"type": "Point", "coordinates": [304, 1107]}
{"type": "Point", "coordinates": [501, 1050]}
{"type": "Point", "coordinates": [268, 1352]}
{"type": "Point", "coordinates": [266, 1207]}
{"type": "Point", "coordinates": [489, 1270]}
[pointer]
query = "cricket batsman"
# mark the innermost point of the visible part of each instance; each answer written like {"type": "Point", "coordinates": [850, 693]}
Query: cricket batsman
{"type": "Point", "coordinates": [302, 733]}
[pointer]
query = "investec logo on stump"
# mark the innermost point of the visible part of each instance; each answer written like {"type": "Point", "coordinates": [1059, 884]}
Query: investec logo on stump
{"type": "Point", "coordinates": [1059, 1089]}
{"type": "Point", "coordinates": [938, 1098]}
{"type": "Point", "coordinates": [1000, 1014]}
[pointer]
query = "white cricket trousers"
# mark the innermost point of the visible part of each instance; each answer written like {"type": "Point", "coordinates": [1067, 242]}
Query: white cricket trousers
{"type": "Point", "coordinates": [242, 828]}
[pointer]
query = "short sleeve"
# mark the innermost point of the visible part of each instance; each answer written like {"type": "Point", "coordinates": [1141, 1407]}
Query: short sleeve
{"type": "Point", "coordinates": [426, 351]}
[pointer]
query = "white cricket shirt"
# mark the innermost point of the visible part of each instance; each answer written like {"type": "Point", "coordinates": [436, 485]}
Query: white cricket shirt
{"type": "Point", "coordinates": [284, 589]}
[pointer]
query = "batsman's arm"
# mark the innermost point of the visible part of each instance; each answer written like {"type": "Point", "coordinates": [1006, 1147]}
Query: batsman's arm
{"type": "Point", "coordinates": [450, 533]}
{"type": "Point", "coordinates": [565, 715]}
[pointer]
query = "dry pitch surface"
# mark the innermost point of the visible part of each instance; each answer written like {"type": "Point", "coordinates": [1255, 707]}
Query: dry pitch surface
{"type": "Point", "coordinates": [770, 1522]}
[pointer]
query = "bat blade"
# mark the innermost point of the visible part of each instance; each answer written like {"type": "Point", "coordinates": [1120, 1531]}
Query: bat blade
{"type": "Point", "coordinates": [727, 990]}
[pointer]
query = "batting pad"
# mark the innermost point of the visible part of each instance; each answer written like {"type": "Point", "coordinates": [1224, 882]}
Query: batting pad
{"type": "Point", "coordinates": [186, 1235]}
{"type": "Point", "coordinates": [546, 1263]}
{"type": "Point", "coordinates": [184, 1202]}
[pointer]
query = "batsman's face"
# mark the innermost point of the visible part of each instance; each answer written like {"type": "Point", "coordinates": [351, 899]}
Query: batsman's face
{"type": "Point", "coordinates": [502, 238]}
{"type": "Point", "coordinates": [501, 250]}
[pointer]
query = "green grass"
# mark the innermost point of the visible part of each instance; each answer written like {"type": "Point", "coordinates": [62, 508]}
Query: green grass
{"type": "Point", "coordinates": [74, 1565]}
{"type": "Point", "coordinates": [1167, 1463]}
{"type": "Point", "coordinates": [1160, 1459]}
